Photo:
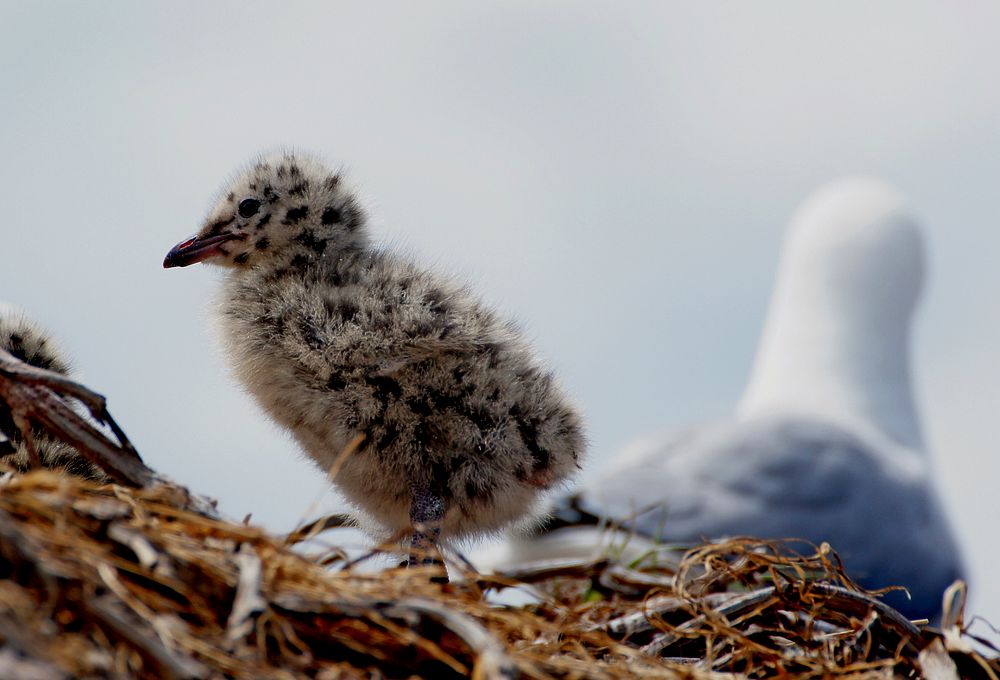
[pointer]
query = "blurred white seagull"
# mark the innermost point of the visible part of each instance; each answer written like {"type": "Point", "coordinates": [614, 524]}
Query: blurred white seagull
{"type": "Point", "coordinates": [826, 444]}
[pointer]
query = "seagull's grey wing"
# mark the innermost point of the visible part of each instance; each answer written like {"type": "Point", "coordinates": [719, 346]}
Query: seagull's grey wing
{"type": "Point", "coordinates": [790, 478]}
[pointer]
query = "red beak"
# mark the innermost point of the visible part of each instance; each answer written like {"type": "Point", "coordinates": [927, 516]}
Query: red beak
{"type": "Point", "coordinates": [196, 249]}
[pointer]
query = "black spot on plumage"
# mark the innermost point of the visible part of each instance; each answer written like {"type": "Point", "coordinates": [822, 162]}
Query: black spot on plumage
{"type": "Point", "coordinates": [543, 459]}
{"type": "Point", "coordinates": [262, 243]}
{"type": "Point", "coordinates": [385, 387]}
{"type": "Point", "coordinates": [342, 309]}
{"type": "Point", "coordinates": [269, 193]}
{"type": "Point", "coordinates": [231, 197]}
{"type": "Point", "coordinates": [420, 328]}
{"type": "Point", "coordinates": [423, 435]}
{"type": "Point", "coordinates": [311, 334]}
{"type": "Point", "coordinates": [299, 189]}
{"type": "Point", "coordinates": [420, 407]}
{"type": "Point", "coordinates": [15, 346]}
{"type": "Point", "coordinates": [352, 218]}
{"type": "Point", "coordinates": [276, 274]}
{"type": "Point", "coordinates": [480, 417]}
{"type": "Point", "coordinates": [528, 430]}
{"type": "Point", "coordinates": [389, 435]}
{"type": "Point", "coordinates": [492, 351]}
{"type": "Point", "coordinates": [330, 215]}
{"type": "Point", "coordinates": [296, 215]}
{"type": "Point", "coordinates": [47, 362]}
{"type": "Point", "coordinates": [242, 258]}
{"type": "Point", "coordinates": [456, 464]}
{"type": "Point", "coordinates": [263, 221]}
{"type": "Point", "coordinates": [437, 300]}
{"type": "Point", "coordinates": [299, 261]}
{"type": "Point", "coordinates": [282, 171]}
{"type": "Point", "coordinates": [440, 476]}
{"type": "Point", "coordinates": [309, 240]}
{"type": "Point", "coordinates": [445, 401]}
{"type": "Point", "coordinates": [294, 170]}
{"type": "Point", "coordinates": [217, 227]}
{"type": "Point", "coordinates": [336, 382]}
{"type": "Point", "coordinates": [332, 181]}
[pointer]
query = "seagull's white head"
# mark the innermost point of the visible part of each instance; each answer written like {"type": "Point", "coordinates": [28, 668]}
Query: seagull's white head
{"type": "Point", "coordinates": [836, 343]}
{"type": "Point", "coordinates": [853, 248]}
{"type": "Point", "coordinates": [285, 209]}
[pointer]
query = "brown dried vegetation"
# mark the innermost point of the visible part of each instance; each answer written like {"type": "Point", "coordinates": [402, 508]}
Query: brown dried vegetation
{"type": "Point", "coordinates": [143, 579]}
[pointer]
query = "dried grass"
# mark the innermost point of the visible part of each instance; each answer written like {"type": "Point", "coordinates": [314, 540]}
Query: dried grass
{"type": "Point", "coordinates": [107, 581]}
{"type": "Point", "coordinates": [142, 579]}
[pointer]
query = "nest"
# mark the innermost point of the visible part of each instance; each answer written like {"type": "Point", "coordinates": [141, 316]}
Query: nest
{"type": "Point", "coordinates": [132, 576]}
{"type": "Point", "coordinates": [104, 581]}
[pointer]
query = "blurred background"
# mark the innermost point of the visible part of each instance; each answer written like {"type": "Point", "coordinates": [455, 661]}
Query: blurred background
{"type": "Point", "coordinates": [618, 176]}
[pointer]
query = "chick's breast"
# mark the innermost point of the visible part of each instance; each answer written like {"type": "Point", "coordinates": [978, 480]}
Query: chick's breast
{"type": "Point", "coordinates": [446, 395]}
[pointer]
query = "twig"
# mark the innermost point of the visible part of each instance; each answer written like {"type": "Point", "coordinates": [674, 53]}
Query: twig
{"type": "Point", "coordinates": [492, 660]}
{"type": "Point", "coordinates": [167, 664]}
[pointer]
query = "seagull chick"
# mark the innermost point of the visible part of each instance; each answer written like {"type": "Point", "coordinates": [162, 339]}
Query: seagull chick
{"type": "Point", "coordinates": [461, 428]}
{"type": "Point", "coordinates": [26, 341]}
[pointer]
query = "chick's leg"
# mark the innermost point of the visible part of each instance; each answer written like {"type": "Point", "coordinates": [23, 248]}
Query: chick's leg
{"type": "Point", "coordinates": [426, 515]}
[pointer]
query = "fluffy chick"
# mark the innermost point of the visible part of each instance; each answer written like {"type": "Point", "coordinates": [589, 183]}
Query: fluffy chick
{"type": "Point", "coordinates": [32, 344]}
{"type": "Point", "coordinates": [463, 428]}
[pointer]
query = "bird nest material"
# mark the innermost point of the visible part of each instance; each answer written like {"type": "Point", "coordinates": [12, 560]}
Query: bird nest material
{"type": "Point", "coordinates": [142, 578]}
{"type": "Point", "coordinates": [103, 580]}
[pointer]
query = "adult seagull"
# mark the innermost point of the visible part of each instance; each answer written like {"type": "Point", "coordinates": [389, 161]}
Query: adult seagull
{"type": "Point", "coordinates": [826, 443]}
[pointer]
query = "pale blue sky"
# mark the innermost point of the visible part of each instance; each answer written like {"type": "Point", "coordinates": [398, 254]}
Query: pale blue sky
{"type": "Point", "coordinates": [617, 176]}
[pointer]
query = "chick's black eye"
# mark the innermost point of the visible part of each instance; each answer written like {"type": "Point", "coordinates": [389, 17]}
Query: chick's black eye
{"type": "Point", "coordinates": [249, 207]}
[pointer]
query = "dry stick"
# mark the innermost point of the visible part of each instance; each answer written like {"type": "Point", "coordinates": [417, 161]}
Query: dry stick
{"type": "Point", "coordinates": [58, 418]}
{"type": "Point", "coordinates": [318, 526]}
{"type": "Point", "coordinates": [734, 607]}
{"type": "Point", "coordinates": [639, 622]}
{"type": "Point", "coordinates": [168, 665]}
{"type": "Point", "coordinates": [845, 600]}
{"type": "Point", "coordinates": [248, 600]}
{"type": "Point", "coordinates": [492, 660]}
{"type": "Point", "coordinates": [390, 545]}
{"type": "Point", "coordinates": [859, 604]}
{"type": "Point", "coordinates": [543, 570]}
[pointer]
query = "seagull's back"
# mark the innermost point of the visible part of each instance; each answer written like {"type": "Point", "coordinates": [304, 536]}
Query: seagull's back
{"type": "Point", "coordinates": [793, 477]}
